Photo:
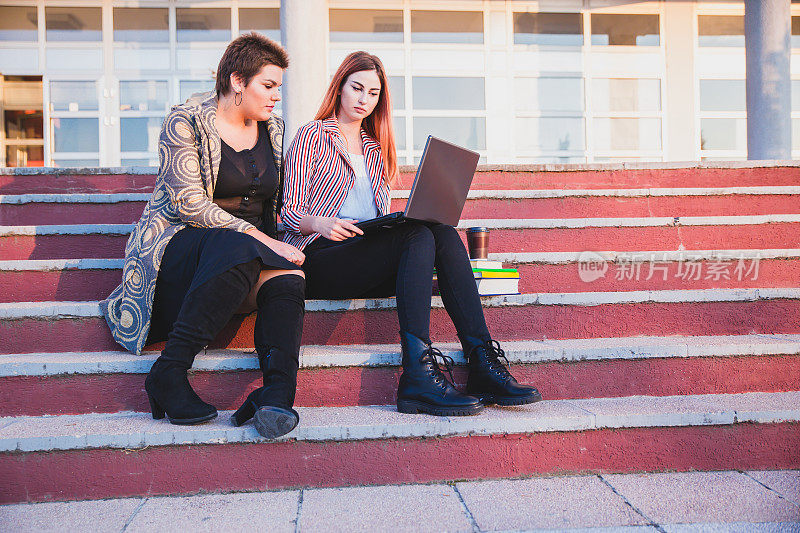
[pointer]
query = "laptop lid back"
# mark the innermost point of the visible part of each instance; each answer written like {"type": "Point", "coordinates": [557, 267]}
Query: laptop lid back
{"type": "Point", "coordinates": [442, 182]}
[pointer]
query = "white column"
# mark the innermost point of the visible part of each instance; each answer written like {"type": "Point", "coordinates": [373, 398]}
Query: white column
{"type": "Point", "coordinates": [767, 33]}
{"type": "Point", "coordinates": [679, 83]}
{"type": "Point", "coordinates": [304, 32]}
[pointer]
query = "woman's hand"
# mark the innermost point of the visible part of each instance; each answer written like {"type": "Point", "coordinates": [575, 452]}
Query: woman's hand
{"type": "Point", "coordinates": [285, 250]}
{"type": "Point", "coordinates": [335, 229]}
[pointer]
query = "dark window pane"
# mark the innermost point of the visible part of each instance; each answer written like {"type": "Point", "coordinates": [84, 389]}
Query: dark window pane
{"type": "Point", "coordinates": [266, 21]}
{"type": "Point", "coordinates": [203, 24]}
{"type": "Point", "coordinates": [190, 87]}
{"type": "Point", "coordinates": [366, 25]}
{"type": "Point", "coordinates": [73, 23]}
{"type": "Point", "coordinates": [715, 30]}
{"type": "Point", "coordinates": [24, 156]}
{"type": "Point", "coordinates": [795, 32]}
{"type": "Point", "coordinates": [143, 25]}
{"type": "Point", "coordinates": [399, 132]}
{"type": "Point", "coordinates": [446, 27]}
{"type": "Point", "coordinates": [139, 134]}
{"type": "Point", "coordinates": [629, 30]}
{"type": "Point", "coordinates": [143, 95]}
{"type": "Point", "coordinates": [19, 24]}
{"type": "Point", "coordinates": [556, 29]}
{"type": "Point", "coordinates": [24, 124]}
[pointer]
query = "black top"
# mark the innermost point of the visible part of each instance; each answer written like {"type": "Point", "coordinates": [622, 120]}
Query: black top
{"type": "Point", "coordinates": [247, 179]}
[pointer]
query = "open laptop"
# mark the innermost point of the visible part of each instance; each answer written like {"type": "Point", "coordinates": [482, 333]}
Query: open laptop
{"type": "Point", "coordinates": [440, 187]}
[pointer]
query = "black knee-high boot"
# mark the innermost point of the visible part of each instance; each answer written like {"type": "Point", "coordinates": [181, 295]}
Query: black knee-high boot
{"type": "Point", "coordinates": [279, 326]}
{"type": "Point", "coordinates": [203, 314]}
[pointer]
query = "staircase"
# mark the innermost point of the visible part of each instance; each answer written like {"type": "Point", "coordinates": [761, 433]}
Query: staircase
{"type": "Point", "coordinates": [659, 316]}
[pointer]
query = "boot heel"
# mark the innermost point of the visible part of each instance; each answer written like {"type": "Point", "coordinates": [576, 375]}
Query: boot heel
{"type": "Point", "coordinates": [408, 407]}
{"type": "Point", "coordinates": [246, 411]}
{"type": "Point", "coordinates": [158, 412]}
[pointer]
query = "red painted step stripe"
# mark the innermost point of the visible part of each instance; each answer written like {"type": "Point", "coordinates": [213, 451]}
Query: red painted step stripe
{"type": "Point", "coordinates": [91, 285]}
{"type": "Point", "coordinates": [110, 393]}
{"type": "Point", "coordinates": [745, 236]}
{"type": "Point", "coordinates": [531, 322]}
{"type": "Point", "coordinates": [102, 473]}
{"type": "Point", "coordinates": [584, 179]}
{"type": "Point", "coordinates": [573, 207]}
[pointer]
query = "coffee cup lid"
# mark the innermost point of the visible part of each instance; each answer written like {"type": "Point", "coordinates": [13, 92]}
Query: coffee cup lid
{"type": "Point", "coordinates": [476, 229]}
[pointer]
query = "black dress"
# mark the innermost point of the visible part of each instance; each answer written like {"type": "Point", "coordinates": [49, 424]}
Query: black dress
{"type": "Point", "coordinates": [246, 185]}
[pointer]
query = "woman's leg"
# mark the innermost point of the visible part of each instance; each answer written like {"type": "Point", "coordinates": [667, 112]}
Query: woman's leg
{"type": "Point", "coordinates": [360, 267]}
{"type": "Point", "coordinates": [488, 378]}
{"type": "Point", "coordinates": [203, 313]}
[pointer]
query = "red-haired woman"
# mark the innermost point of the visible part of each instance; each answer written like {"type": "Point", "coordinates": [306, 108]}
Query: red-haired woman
{"type": "Point", "coordinates": [338, 171]}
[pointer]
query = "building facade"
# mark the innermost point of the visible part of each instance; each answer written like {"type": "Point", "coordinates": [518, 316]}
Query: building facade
{"type": "Point", "coordinates": [575, 81]}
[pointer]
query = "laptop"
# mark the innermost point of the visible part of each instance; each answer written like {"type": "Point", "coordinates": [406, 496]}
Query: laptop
{"type": "Point", "coordinates": [440, 188]}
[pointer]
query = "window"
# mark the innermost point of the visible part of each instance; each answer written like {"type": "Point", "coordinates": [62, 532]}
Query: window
{"type": "Point", "coordinates": [19, 24]}
{"type": "Point", "coordinates": [469, 132]}
{"type": "Point", "coordinates": [190, 87]}
{"type": "Point", "coordinates": [627, 118]}
{"type": "Point", "coordinates": [203, 24]}
{"type": "Point", "coordinates": [723, 95]}
{"type": "Point", "coordinates": [73, 96]}
{"type": "Point", "coordinates": [717, 30]}
{"type": "Point", "coordinates": [143, 25]}
{"type": "Point", "coordinates": [723, 117]}
{"type": "Point", "coordinates": [73, 24]}
{"type": "Point", "coordinates": [140, 134]}
{"type": "Point", "coordinates": [447, 27]}
{"type": "Point", "coordinates": [628, 30]}
{"type": "Point", "coordinates": [143, 96]}
{"type": "Point", "coordinates": [22, 127]}
{"type": "Point", "coordinates": [795, 32]}
{"type": "Point", "coordinates": [626, 95]}
{"type": "Point", "coordinates": [266, 21]}
{"type": "Point", "coordinates": [548, 29]}
{"type": "Point", "coordinates": [348, 25]}
{"type": "Point", "coordinates": [448, 93]}
{"type": "Point", "coordinates": [75, 135]}
{"type": "Point", "coordinates": [549, 120]}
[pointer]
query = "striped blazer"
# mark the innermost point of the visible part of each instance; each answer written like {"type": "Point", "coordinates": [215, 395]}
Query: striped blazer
{"type": "Point", "coordinates": [318, 175]}
{"type": "Point", "coordinates": [189, 152]}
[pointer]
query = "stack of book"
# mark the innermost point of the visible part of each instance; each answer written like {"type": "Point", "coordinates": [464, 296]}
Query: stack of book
{"type": "Point", "coordinates": [490, 277]}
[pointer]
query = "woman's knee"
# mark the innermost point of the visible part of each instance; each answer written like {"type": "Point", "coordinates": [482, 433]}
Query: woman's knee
{"type": "Point", "coordinates": [418, 234]}
{"type": "Point", "coordinates": [271, 282]}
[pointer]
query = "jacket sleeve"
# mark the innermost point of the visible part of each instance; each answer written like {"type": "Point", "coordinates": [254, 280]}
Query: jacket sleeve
{"type": "Point", "coordinates": [299, 167]}
{"type": "Point", "coordinates": [179, 168]}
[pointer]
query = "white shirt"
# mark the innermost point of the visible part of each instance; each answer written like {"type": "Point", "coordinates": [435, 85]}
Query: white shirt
{"type": "Point", "coordinates": [360, 201]}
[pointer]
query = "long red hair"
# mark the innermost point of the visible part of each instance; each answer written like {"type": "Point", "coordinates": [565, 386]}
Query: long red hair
{"type": "Point", "coordinates": [377, 124]}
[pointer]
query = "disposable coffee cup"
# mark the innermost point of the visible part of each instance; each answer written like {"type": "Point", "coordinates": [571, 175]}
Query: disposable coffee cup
{"type": "Point", "coordinates": [478, 242]}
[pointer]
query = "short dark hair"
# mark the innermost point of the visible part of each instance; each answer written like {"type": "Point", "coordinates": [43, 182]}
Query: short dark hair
{"type": "Point", "coordinates": [246, 56]}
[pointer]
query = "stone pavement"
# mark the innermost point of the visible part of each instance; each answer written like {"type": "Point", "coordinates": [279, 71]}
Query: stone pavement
{"type": "Point", "coordinates": [763, 501]}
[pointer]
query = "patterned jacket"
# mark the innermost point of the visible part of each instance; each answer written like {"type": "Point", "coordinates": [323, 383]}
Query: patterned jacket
{"type": "Point", "coordinates": [319, 176]}
{"type": "Point", "coordinates": [189, 151]}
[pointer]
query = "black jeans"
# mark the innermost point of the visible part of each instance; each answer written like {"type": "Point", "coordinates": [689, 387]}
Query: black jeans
{"type": "Point", "coordinates": [399, 261]}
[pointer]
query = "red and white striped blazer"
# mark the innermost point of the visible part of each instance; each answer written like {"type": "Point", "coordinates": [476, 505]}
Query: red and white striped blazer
{"type": "Point", "coordinates": [318, 176]}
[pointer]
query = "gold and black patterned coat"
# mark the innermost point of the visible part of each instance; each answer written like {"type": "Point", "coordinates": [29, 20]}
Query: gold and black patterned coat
{"type": "Point", "coordinates": [189, 151]}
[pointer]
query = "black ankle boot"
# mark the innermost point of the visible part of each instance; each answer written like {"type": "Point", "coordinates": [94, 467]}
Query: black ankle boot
{"type": "Point", "coordinates": [423, 387]}
{"type": "Point", "coordinates": [489, 379]}
{"type": "Point", "coordinates": [271, 421]}
{"type": "Point", "coordinates": [271, 405]}
{"type": "Point", "coordinates": [170, 393]}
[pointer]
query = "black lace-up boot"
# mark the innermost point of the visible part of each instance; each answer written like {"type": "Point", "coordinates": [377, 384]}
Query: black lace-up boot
{"type": "Point", "coordinates": [489, 379]}
{"type": "Point", "coordinates": [424, 388]}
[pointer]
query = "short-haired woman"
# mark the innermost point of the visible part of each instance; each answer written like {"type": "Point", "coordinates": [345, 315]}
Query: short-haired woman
{"type": "Point", "coordinates": [205, 246]}
{"type": "Point", "coordinates": [338, 171]}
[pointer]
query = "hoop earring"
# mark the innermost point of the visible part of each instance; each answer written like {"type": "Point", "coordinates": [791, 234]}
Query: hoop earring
{"type": "Point", "coordinates": [239, 94]}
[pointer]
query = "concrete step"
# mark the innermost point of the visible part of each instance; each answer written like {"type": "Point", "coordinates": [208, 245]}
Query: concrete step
{"type": "Point", "coordinates": [34, 327]}
{"type": "Point", "coordinates": [103, 382]}
{"type": "Point", "coordinates": [127, 454]}
{"type": "Point", "coordinates": [94, 279]}
{"type": "Point", "coordinates": [507, 236]}
{"type": "Point", "coordinates": [54, 209]}
{"type": "Point", "coordinates": [595, 176]}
